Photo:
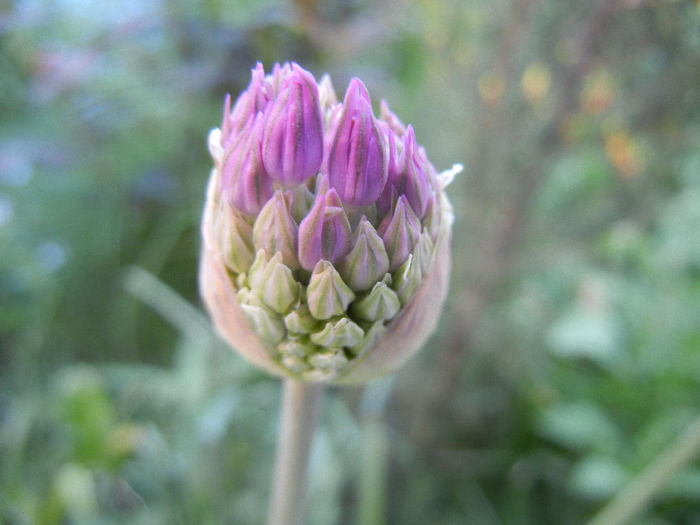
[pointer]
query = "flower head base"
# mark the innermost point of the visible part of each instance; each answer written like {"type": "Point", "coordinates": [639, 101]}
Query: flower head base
{"type": "Point", "coordinates": [326, 231]}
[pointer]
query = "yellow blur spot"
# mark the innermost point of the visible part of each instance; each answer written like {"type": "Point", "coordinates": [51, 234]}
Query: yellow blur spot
{"type": "Point", "coordinates": [625, 154]}
{"type": "Point", "coordinates": [491, 87]}
{"type": "Point", "coordinates": [535, 82]}
{"type": "Point", "coordinates": [126, 438]}
{"type": "Point", "coordinates": [598, 92]}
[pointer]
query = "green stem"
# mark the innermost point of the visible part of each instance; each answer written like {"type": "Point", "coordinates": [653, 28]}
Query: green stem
{"type": "Point", "coordinates": [639, 493]}
{"type": "Point", "coordinates": [375, 453]}
{"type": "Point", "coordinates": [372, 483]}
{"type": "Point", "coordinates": [301, 403]}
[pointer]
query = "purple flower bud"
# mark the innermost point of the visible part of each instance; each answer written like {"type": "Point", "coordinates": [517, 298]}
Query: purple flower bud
{"type": "Point", "coordinates": [356, 160]}
{"type": "Point", "coordinates": [408, 175]}
{"type": "Point", "coordinates": [396, 162]}
{"type": "Point", "coordinates": [293, 136]}
{"type": "Point", "coordinates": [386, 115]}
{"type": "Point", "coordinates": [243, 178]}
{"type": "Point", "coordinates": [325, 231]}
{"type": "Point", "coordinates": [415, 182]}
{"type": "Point", "coordinates": [387, 199]}
{"type": "Point", "coordinates": [279, 73]}
{"type": "Point", "coordinates": [400, 233]}
{"type": "Point", "coordinates": [250, 102]}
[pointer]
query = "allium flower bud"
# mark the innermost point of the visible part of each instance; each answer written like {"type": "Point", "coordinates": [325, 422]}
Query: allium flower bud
{"type": "Point", "coordinates": [414, 181]}
{"type": "Point", "coordinates": [367, 261]}
{"type": "Point", "coordinates": [292, 147]}
{"type": "Point", "coordinates": [325, 232]}
{"type": "Point", "coordinates": [400, 232]}
{"type": "Point", "coordinates": [243, 177]}
{"type": "Point", "coordinates": [249, 103]}
{"type": "Point", "coordinates": [327, 294]}
{"type": "Point", "coordinates": [276, 231]}
{"type": "Point", "coordinates": [356, 157]}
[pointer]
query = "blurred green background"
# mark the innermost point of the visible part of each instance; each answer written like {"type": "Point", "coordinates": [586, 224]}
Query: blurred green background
{"type": "Point", "coordinates": [567, 359]}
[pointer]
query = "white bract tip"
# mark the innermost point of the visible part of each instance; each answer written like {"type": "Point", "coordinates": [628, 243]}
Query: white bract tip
{"type": "Point", "coordinates": [446, 177]}
{"type": "Point", "coordinates": [214, 145]}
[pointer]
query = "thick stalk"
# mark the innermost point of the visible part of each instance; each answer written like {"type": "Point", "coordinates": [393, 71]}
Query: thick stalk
{"type": "Point", "coordinates": [301, 403]}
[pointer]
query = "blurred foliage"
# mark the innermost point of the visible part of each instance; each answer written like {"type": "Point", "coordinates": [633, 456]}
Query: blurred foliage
{"type": "Point", "coordinates": [568, 357]}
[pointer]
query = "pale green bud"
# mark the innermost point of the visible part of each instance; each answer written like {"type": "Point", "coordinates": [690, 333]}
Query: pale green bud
{"type": "Point", "coordinates": [433, 215]}
{"type": "Point", "coordinates": [320, 375]}
{"type": "Point", "coordinates": [296, 347]}
{"type": "Point", "coordinates": [332, 359]}
{"type": "Point", "coordinates": [300, 321]}
{"type": "Point", "coordinates": [256, 270]}
{"type": "Point", "coordinates": [367, 261]}
{"type": "Point", "coordinates": [301, 200]}
{"type": "Point", "coordinates": [327, 295]}
{"type": "Point", "coordinates": [407, 279]}
{"type": "Point", "coordinates": [424, 252]}
{"type": "Point", "coordinates": [244, 295]}
{"type": "Point", "coordinates": [233, 234]}
{"type": "Point", "coordinates": [380, 304]}
{"type": "Point", "coordinates": [400, 232]}
{"type": "Point", "coordinates": [277, 288]}
{"type": "Point", "coordinates": [264, 322]}
{"type": "Point", "coordinates": [295, 364]}
{"type": "Point", "coordinates": [275, 230]}
{"type": "Point", "coordinates": [343, 332]}
{"type": "Point", "coordinates": [372, 335]}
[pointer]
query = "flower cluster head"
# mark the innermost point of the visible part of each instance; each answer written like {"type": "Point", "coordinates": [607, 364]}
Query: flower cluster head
{"type": "Point", "coordinates": [326, 230]}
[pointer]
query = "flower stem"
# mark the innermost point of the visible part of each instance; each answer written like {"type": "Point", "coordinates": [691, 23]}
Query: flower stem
{"type": "Point", "coordinates": [301, 403]}
{"type": "Point", "coordinates": [375, 453]}
{"type": "Point", "coordinates": [372, 483]}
